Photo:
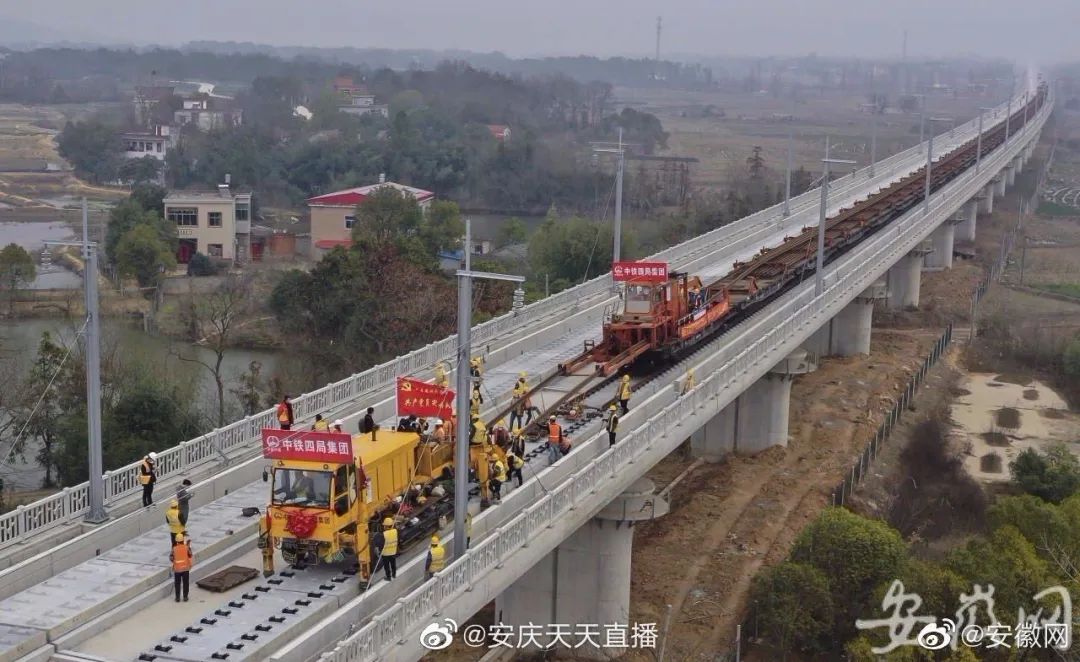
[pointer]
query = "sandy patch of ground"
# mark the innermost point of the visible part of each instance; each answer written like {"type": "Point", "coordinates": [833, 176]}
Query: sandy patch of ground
{"type": "Point", "coordinates": [977, 417]}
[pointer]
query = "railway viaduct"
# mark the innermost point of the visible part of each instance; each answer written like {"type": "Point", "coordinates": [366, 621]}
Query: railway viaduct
{"type": "Point", "coordinates": [557, 550]}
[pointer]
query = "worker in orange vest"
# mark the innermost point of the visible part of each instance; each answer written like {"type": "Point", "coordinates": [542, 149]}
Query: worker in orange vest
{"type": "Point", "coordinates": [182, 559]}
{"type": "Point", "coordinates": [285, 413]}
{"type": "Point", "coordinates": [555, 440]}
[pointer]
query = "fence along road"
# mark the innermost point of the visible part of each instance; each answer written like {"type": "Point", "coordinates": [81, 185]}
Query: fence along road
{"type": "Point", "coordinates": [240, 440]}
{"type": "Point", "coordinates": [583, 482]}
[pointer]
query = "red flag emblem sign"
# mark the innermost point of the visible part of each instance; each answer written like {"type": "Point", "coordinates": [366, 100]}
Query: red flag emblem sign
{"type": "Point", "coordinates": [418, 398]}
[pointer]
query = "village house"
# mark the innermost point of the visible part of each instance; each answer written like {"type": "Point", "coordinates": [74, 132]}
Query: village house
{"type": "Point", "coordinates": [334, 214]}
{"type": "Point", "coordinates": [214, 223]}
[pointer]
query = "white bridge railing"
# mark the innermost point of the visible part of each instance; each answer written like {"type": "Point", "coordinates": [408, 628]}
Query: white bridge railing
{"type": "Point", "coordinates": [242, 438]}
{"type": "Point", "coordinates": [771, 335]}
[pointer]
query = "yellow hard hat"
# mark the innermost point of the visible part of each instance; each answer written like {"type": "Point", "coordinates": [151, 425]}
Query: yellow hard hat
{"type": "Point", "coordinates": [626, 378]}
{"type": "Point", "coordinates": [523, 374]}
{"type": "Point", "coordinates": [179, 537]}
{"type": "Point", "coordinates": [435, 539]}
{"type": "Point", "coordinates": [389, 521]}
{"type": "Point", "coordinates": [500, 423]}
{"type": "Point", "coordinates": [174, 504]}
{"type": "Point", "coordinates": [516, 430]}
{"type": "Point", "coordinates": [612, 406]}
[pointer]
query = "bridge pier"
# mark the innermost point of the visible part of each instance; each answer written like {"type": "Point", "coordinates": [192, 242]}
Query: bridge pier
{"type": "Point", "coordinates": [942, 239]}
{"type": "Point", "coordinates": [999, 184]}
{"type": "Point", "coordinates": [851, 326]}
{"type": "Point", "coordinates": [1010, 174]}
{"type": "Point", "coordinates": [988, 198]}
{"type": "Point", "coordinates": [904, 279]}
{"type": "Point", "coordinates": [586, 579]}
{"type": "Point", "coordinates": [970, 214]}
{"type": "Point", "coordinates": [758, 418]}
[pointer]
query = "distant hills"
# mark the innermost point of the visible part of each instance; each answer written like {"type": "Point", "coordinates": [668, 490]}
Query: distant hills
{"type": "Point", "coordinates": [20, 34]}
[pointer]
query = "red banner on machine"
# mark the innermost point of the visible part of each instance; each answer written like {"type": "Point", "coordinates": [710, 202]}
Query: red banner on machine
{"type": "Point", "coordinates": [417, 398]}
{"type": "Point", "coordinates": [640, 272]}
{"type": "Point", "coordinates": [307, 446]}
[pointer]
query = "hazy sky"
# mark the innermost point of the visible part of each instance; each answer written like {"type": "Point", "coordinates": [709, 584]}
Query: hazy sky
{"type": "Point", "coordinates": [1041, 30]}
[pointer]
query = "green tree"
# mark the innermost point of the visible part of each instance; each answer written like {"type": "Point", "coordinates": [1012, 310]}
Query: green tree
{"type": "Point", "coordinates": [250, 389]}
{"type": "Point", "coordinates": [573, 250]}
{"type": "Point", "coordinates": [856, 555]}
{"type": "Point", "coordinates": [150, 197]}
{"type": "Point", "coordinates": [131, 213]}
{"type": "Point", "coordinates": [212, 319]}
{"type": "Point", "coordinates": [392, 218]}
{"type": "Point", "coordinates": [362, 305]}
{"type": "Point", "coordinates": [1009, 562]}
{"type": "Point", "coordinates": [139, 171]}
{"type": "Point", "coordinates": [513, 231]}
{"type": "Point", "coordinates": [386, 217]}
{"type": "Point", "coordinates": [42, 411]}
{"type": "Point", "coordinates": [1035, 518]}
{"type": "Point", "coordinates": [16, 270]}
{"type": "Point", "coordinates": [793, 607]}
{"type": "Point", "coordinates": [1070, 360]}
{"type": "Point", "coordinates": [860, 650]}
{"type": "Point", "coordinates": [201, 265]}
{"type": "Point", "coordinates": [93, 148]}
{"type": "Point", "coordinates": [1053, 475]}
{"type": "Point", "coordinates": [143, 255]}
{"type": "Point", "coordinates": [442, 226]}
{"type": "Point", "coordinates": [144, 414]}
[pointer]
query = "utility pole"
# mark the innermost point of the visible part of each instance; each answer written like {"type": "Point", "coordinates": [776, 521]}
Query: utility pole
{"type": "Point", "coordinates": [464, 354]}
{"type": "Point", "coordinates": [819, 276]}
{"type": "Point", "coordinates": [904, 67]}
{"type": "Point", "coordinates": [873, 135]}
{"type": "Point", "coordinates": [922, 117]}
{"type": "Point", "coordinates": [617, 248]}
{"type": "Point", "coordinates": [1008, 116]}
{"type": "Point", "coordinates": [790, 158]}
{"type": "Point", "coordinates": [95, 513]}
{"type": "Point", "coordinates": [1025, 110]}
{"type": "Point", "coordinates": [930, 162]}
{"type": "Point", "coordinates": [620, 163]}
{"type": "Point", "coordinates": [978, 140]}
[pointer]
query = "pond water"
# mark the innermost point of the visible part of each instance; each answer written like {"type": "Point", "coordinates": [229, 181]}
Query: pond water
{"type": "Point", "coordinates": [32, 237]}
{"type": "Point", "coordinates": [19, 340]}
{"type": "Point", "coordinates": [18, 344]}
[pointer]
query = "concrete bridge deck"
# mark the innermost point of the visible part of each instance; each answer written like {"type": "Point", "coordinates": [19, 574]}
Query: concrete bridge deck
{"type": "Point", "coordinates": [111, 588]}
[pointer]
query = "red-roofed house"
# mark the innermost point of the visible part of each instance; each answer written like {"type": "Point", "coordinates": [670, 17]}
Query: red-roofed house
{"type": "Point", "coordinates": [333, 214]}
{"type": "Point", "coordinates": [500, 132]}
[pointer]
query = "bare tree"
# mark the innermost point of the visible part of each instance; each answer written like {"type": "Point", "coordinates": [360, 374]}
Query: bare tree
{"type": "Point", "coordinates": [212, 319]}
